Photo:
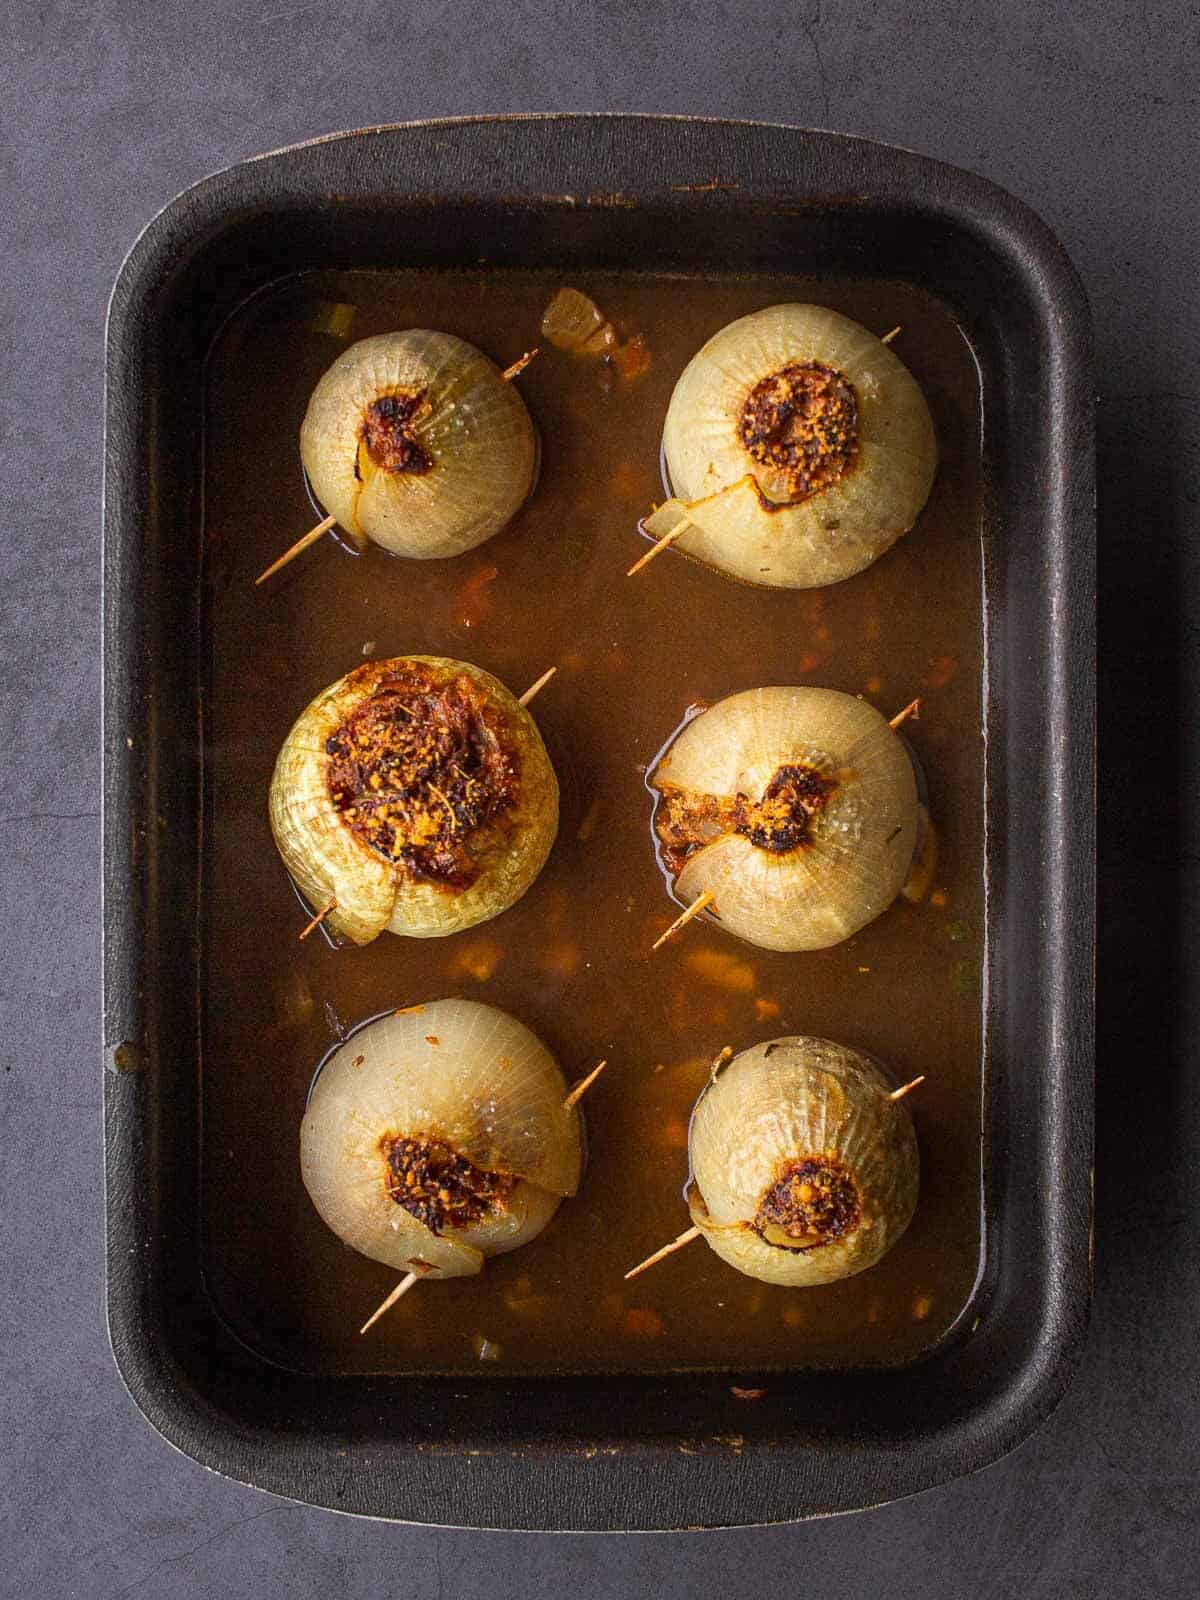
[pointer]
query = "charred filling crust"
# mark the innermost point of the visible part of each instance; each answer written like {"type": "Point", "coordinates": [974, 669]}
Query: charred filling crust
{"type": "Point", "coordinates": [418, 768]}
{"type": "Point", "coordinates": [782, 819]}
{"type": "Point", "coordinates": [780, 822]}
{"type": "Point", "coordinates": [386, 433]}
{"type": "Point", "coordinates": [802, 422]}
{"type": "Point", "coordinates": [686, 821]}
{"type": "Point", "coordinates": [812, 1202]}
{"type": "Point", "coordinates": [437, 1186]}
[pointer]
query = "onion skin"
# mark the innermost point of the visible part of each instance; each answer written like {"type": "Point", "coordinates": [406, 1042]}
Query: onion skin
{"type": "Point", "coordinates": [860, 842]}
{"type": "Point", "coordinates": [330, 862]}
{"type": "Point", "coordinates": [471, 425]}
{"type": "Point", "coordinates": [787, 1101]}
{"type": "Point", "coordinates": [489, 1090]}
{"type": "Point", "coordinates": [741, 521]}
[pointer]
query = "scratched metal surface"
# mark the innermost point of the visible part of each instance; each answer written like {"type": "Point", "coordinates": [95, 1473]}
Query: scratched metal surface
{"type": "Point", "coordinates": [108, 112]}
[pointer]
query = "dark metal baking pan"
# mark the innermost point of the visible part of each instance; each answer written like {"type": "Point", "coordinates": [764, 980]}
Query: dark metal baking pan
{"type": "Point", "coordinates": [632, 1451]}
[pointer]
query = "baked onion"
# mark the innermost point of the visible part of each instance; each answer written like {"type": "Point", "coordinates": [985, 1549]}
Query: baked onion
{"type": "Point", "coordinates": [414, 440]}
{"type": "Point", "coordinates": [439, 1136]}
{"type": "Point", "coordinates": [417, 795]}
{"type": "Point", "coordinates": [803, 1170]}
{"type": "Point", "coordinates": [794, 810]}
{"type": "Point", "coordinates": [798, 448]}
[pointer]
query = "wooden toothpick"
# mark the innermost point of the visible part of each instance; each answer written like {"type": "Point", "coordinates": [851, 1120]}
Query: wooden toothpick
{"type": "Point", "coordinates": [582, 1087]}
{"type": "Point", "coordinates": [535, 688]}
{"type": "Point", "coordinates": [319, 918]}
{"type": "Point", "coordinates": [701, 903]}
{"type": "Point", "coordinates": [667, 1250]}
{"type": "Point", "coordinates": [420, 1269]}
{"type": "Point", "coordinates": [912, 709]}
{"type": "Point", "coordinates": [310, 537]}
{"type": "Point", "coordinates": [722, 1056]}
{"type": "Point", "coordinates": [898, 1094]}
{"type": "Point", "coordinates": [657, 548]}
{"type": "Point", "coordinates": [888, 337]}
{"type": "Point", "coordinates": [518, 367]}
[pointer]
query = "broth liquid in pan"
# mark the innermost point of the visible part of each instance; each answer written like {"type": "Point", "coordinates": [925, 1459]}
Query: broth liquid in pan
{"type": "Point", "coordinates": [573, 958]}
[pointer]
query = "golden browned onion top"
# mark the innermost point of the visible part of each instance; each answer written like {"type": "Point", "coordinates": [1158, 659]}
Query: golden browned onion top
{"type": "Point", "coordinates": [779, 821]}
{"type": "Point", "coordinates": [802, 421]}
{"type": "Point", "coordinates": [437, 1185]}
{"type": "Point", "coordinates": [813, 1201]}
{"type": "Point", "coordinates": [386, 433]}
{"type": "Point", "coordinates": [418, 767]}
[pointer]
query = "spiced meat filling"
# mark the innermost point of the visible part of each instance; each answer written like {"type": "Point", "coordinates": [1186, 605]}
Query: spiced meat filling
{"type": "Point", "coordinates": [781, 821]}
{"type": "Point", "coordinates": [812, 1202]}
{"type": "Point", "coordinates": [386, 431]}
{"type": "Point", "coordinates": [802, 423]}
{"type": "Point", "coordinates": [439, 1187]}
{"type": "Point", "coordinates": [418, 768]}
{"type": "Point", "coordinates": [685, 821]}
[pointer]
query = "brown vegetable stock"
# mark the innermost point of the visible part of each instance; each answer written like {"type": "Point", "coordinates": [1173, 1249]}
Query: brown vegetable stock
{"type": "Point", "coordinates": [573, 958]}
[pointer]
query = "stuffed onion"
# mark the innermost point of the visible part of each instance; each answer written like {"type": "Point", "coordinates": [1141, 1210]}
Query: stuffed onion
{"type": "Point", "coordinates": [415, 440]}
{"type": "Point", "coordinates": [439, 1136]}
{"type": "Point", "coordinates": [798, 448]}
{"type": "Point", "coordinates": [793, 811]}
{"type": "Point", "coordinates": [804, 1165]}
{"type": "Point", "coordinates": [413, 795]}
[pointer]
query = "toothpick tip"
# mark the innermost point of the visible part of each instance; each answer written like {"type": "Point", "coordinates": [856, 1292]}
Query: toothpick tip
{"type": "Point", "coordinates": [723, 1055]}
{"type": "Point", "coordinates": [582, 1087]}
{"type": "Point", "coordinates": [898, 1094]}
{"type": "Point", "coordinates": [301, 544]}
{"type": "Point", "coordinates": [421, 1270]}
{"type": "Point", "coordinates": [912, 709]}
{"type": "Point", "coordinates": [667, 1250]}
{"type": "Point", "coordinates": [701, 903]}
{"type": "Point", "coordinates": [657, 548]}
{"type": "Point", "coordinates": [537, 687]}
{"type": "Point", "coordinates": [518, 366]}
{"type": "Point", "coordinates": [319, 918]}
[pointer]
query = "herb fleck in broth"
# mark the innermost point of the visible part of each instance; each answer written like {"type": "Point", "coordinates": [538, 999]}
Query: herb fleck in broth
{"type": "Point", "coordinates": [573, 958]}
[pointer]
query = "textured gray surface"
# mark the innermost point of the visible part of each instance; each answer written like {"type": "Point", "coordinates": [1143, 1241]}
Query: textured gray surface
{"type": "Point", "coordinates": [107, 113]}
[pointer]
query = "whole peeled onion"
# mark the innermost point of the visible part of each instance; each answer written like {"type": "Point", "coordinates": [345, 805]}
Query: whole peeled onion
{"type": "Point", "coordinates": [799, 448]}
{"type": "Point", "coordinates": [414, 440]}
{"type": "Point", "coordinates": [439, 1136]}
{"type": "Point", "coordinates": [795, 809]}
{"type": "Point", "coordinates": [804, 1170]}
{"type": "Point", "coordinates": [416, 795]}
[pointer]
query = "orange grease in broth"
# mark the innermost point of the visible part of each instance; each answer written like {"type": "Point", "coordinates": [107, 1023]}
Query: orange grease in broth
{"type": "Point", "coordinates": [573, 958]}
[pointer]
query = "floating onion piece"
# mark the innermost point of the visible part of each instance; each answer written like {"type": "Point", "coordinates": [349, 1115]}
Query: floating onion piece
{"type": "Point", "coordinates": [334, 318]}
{"type": "Point", "coordinates": [435, 1156]}
{"type": "Point", "coordinates": [574, 322]}
{"type": "Point", "coordinates": [416, 795]}
{"type": "Point", "coordinates": [799, 448]}
{"type": "Point", "coordinates": [415, 441]}
{"type": "Point", "coordinates": [803, 1169]}
{"type": "Point", "coordinates": [794, 809]}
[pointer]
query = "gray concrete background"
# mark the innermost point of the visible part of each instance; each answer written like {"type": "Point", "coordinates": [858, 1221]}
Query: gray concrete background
{"type": "Point", "coordinates": [1091, 116]}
